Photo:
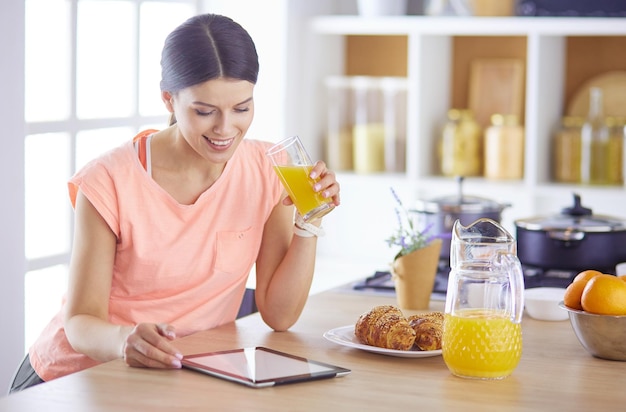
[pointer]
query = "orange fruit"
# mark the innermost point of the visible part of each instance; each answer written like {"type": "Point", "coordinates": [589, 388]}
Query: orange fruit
{"type": "Point", "coordinates": [573, 293]}
{"type": "Point", "coordinates": [604, 295]}
{"type": "Point", "coordinates": [586, 275]}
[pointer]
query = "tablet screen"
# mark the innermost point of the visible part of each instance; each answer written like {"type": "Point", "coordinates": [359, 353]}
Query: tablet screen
{"type": "Point", "coordinates": [259, 366]}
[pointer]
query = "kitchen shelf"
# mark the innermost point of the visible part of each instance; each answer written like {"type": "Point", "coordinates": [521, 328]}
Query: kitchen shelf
{"type": "Point", "coordinates": [430, 43]}
{"type": "Point", "coordinates": [491, 26]}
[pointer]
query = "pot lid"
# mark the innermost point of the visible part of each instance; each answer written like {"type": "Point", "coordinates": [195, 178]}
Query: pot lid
{"type": "Point", "coordinates": [577, 218]}
{"type": "Point", "coordinates": [462, 204]}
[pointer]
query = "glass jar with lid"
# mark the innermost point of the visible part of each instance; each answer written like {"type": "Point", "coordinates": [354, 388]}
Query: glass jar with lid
{"type": "Point", "coordinates": [594, 155]}
{"type": "Point", "coordinates": [461, 145]}
{"type": "Point", "coordinates": [504, 148]}
{"type": "Point", "coordinates": [566, 150]}
{"type": "Point", "coordinates": [617, 134]}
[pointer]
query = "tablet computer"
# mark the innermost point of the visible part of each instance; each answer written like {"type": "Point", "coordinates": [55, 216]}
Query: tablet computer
{"type": "Point", "coordinates": [261, 367]}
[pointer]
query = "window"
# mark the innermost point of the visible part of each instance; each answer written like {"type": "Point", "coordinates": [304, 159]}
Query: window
{"type": "Point", "coordinates": [92, 81]}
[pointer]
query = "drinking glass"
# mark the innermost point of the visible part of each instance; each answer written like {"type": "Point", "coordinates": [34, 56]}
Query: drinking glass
{"type": "Point", "coordinates": [293, 166]}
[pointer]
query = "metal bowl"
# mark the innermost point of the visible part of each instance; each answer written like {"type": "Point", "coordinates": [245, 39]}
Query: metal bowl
{"type": "Point", "coordinates": [603, 336]}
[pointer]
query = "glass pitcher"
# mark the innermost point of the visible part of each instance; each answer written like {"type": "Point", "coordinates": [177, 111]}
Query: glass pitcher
{"type": "Point", "coordinates": [482, 334]}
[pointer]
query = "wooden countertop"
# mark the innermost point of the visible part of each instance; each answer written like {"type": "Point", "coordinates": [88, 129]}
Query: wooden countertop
{"type": "Point", "coordinates": [555, 372]}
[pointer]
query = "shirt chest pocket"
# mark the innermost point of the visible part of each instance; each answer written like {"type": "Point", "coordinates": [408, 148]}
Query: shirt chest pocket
{"type": "Point", "coordinates": [236, 251]}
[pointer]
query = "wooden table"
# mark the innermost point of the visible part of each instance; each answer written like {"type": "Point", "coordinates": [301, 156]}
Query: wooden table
{"type": "Point", "coordinates": [555, 373]}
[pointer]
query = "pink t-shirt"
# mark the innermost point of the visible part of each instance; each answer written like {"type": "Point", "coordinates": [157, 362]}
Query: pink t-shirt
{"type": "Point", "coordinates": [186, 265]}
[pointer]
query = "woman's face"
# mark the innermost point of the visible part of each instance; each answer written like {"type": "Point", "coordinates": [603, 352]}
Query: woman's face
{"type": "Point", "coordinates": [213, 117]}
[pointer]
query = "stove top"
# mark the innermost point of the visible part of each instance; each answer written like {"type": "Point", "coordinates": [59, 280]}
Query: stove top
{"type": "Point", "coordinates": [533, 277]}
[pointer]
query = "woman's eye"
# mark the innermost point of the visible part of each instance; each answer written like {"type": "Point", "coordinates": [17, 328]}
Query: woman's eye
{"type": "Point", "coordinates": [201, 113]}
{"type": "Point", "coordinates": [242, 109]}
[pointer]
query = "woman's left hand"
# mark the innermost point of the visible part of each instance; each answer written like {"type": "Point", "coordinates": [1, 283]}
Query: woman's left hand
{"type": "Point", "coordinates": [325, 183]}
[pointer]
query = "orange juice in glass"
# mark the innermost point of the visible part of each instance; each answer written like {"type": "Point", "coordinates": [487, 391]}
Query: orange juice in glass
{"type": "Point", "coordinates": [481, 343]}
{"type": "Point", "coordinates": [293, 166]}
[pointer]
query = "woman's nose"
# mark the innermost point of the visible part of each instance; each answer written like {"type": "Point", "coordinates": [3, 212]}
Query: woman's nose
{"type": "Point", "coordinates": [224, 124]}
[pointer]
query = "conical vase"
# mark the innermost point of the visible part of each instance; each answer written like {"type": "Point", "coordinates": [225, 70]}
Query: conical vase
{"type": "Point", "coordinates": [414, 276]}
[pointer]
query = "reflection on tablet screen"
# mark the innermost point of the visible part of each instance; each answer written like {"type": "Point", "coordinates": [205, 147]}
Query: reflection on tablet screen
{"type": "Point", "coordinates": [260, 366]}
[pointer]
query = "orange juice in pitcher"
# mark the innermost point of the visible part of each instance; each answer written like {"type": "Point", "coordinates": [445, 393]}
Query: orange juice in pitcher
{"type": "Point", "coordinates": [482, 343]}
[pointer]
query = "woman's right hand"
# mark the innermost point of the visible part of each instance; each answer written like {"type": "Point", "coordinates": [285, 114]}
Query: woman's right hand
{"type": "Point", "coordinates": [148, 346]}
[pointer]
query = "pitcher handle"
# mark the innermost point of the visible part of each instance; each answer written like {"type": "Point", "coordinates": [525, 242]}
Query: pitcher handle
{"type": "Point", "coordinates": [513, 267]}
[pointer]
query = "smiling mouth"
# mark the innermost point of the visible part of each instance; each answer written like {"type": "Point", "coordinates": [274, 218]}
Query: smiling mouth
{"type": "Point", "coordinates": [219, 142]}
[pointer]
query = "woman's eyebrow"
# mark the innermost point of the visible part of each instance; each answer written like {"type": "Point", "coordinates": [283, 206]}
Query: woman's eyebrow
{"type": "Point", "coordinates": [249, 99]}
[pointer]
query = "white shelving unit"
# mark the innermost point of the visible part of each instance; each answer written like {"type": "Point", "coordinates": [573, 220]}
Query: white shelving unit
{"type": "Point", "coordinates": [429, 53]}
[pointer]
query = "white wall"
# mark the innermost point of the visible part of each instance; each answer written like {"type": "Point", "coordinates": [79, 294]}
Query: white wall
{"type": "Point", "coordinates": [12, 189]}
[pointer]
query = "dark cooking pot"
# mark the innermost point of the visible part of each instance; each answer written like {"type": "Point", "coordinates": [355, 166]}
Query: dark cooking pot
{"type": "Point", "coordinates": [440, 214]}
{"type": "Point", "coordinates": [573, 240]}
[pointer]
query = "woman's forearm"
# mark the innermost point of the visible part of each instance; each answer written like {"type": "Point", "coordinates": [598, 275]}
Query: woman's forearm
{"type": "Point", "coordinates": [289, 287]}
{"type": "Point", "coordinates": [96, 338]}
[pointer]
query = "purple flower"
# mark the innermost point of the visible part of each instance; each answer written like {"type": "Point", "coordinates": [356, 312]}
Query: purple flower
{"type": "Point", "coordinates": [406, 236]}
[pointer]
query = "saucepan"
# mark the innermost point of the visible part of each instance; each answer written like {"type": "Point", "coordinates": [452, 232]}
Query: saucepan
{"type": "Point", "coordinates": [575, 239]}
{"type": "Point", "coordinates": [441, 213]}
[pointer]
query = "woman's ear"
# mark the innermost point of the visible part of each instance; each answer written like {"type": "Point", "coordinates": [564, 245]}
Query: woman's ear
{"type": "Point", "coordinates": [168, 100]}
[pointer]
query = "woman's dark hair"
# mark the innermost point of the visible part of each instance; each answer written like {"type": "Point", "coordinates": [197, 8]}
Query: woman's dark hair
{"type": "Point", "coordinates": [207, 47]}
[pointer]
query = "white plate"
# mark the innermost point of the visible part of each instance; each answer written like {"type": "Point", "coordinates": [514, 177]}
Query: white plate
{"type": "Point", "coordinates": [345, 336]}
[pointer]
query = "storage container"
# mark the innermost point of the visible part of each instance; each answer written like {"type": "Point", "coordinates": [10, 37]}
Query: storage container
{"type": "Point", "coordinates": [595, 143]}
{"type": "Point", "coordinates": [366, 123]}
{"type": "Point", "coordinates": [566, 150]}
{"type": "Point", "coordinates": [504, 148]}
{"type": "Point", "coordinates": [461, 145]}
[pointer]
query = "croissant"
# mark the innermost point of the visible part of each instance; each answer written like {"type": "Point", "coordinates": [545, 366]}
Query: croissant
{"type": "Point", "coordinates": [428, 329]}
{"type": "Point", "coordinates": [385, 327]}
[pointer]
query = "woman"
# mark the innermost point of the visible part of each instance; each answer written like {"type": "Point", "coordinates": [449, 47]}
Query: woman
{"type": "Point", "coordinates": [168, 226]}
